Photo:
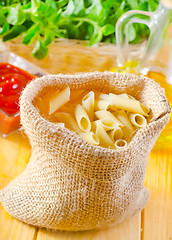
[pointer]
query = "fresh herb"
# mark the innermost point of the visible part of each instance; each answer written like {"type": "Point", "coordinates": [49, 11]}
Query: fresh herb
{"type": "Point", "coordinates": [44, 20]}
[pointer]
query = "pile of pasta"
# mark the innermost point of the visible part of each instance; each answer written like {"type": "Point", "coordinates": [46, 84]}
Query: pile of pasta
{"type": "Point", "coordinates": [107, 120]}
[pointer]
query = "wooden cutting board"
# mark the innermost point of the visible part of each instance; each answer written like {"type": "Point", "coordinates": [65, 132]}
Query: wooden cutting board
{"type": "Point", "coordinates": [154, 223]}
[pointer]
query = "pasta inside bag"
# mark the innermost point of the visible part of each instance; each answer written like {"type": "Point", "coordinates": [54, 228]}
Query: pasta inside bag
{"type": "Point", "coordinates": [70, 184]}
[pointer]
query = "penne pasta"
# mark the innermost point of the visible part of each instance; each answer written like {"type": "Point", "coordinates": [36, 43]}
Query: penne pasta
{"type": "Point", "coordinates": [82, 118]}
{"type": "Point", "coordinates": [101, 105]}
{"type": "Point", "coordinates": [68, 108]}
{"type": "Point", "coordinates": [105, 140]}
{"type": "Point", "coordinates": [104, 96]}
{"type": "Point", "coordinates": [102, 114]}
{"type": "Point", "coordinates": [68, 120]}
{"type": "Point", "coordinates": [120, 143]}
{"type": "Point", "coordinates": [90, 137]}
{"type": "Point", "coordinates": [59, 99]}
{"type": "Point", "coordinates": [128, 129]}
{"type": "Point", "coordinates": [130, 105]}
{"type": "Point", "coordinates": [125, 95]}
{"type": "Point", "coordinates": [88, 104]}
{"type": "Point", "coordinates": [106, 123]}
{"type": "Point", "coordinates": [43, 103]}
{"type": "Point", "coordinates": [97, 94]}
{"type": "Point", "coordinates": [116, 133]}
{"type": "Point", "coordinates": [138, 120]}
{"type": "Point", "coordinates": [90, 116]}
{"type": "Point", "coordinates": [94, 126]}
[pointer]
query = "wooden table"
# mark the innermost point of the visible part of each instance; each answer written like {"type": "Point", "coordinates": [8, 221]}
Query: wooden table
{"type": "Point", "coordinates": [154, 223]}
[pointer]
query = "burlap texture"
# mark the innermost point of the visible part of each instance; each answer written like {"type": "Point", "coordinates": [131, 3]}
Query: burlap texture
{"type": "Point", "coordinates": [69, 184]}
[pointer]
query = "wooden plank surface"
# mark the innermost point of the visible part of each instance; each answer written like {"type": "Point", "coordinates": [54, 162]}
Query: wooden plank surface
{"type": "Point", "coordinates": [14, 153]}
{"type": "Point", "coordinates": [157, 216]}
{"type": "Point", "coordinates": [128, 230]}
{"type": "Point", "coordinates": [12, 229]}
{"type": "Point", "coordinates": [156, 220]}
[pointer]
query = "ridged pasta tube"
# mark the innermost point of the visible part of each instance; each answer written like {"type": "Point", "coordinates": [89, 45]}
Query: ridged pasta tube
{"type": "Point", "coordinates": [82, 118]}
{"type": "Point", "coordinates": [116, 133]}
{"type": "Point", "coordinates": [105, 140]}
{"type": "Point", "coordinates": [68, 120]}
{"type": "Point", "coordinates": [88, 103]}
{"type": "Point", "coordinates": [104, 96]}
{"type": "Point", "coordinates": [120, 143]}
{"type": "Point", "coordinates": [59, 99]}
{"type": "Point", "coordinates": [138, 120]}
{"type": "Point", "coordinates": [108, 115]}
{"type": "Point", "coordinates": [128, 129]}
{"type": "Point", "coordinates": [106, 123]}
{"type": "Point", "coordinates": [130, 105]}
{"type": "Point", "coordinates": [101, 105]}
{"type": "Point", "coordinates": [90, 137]}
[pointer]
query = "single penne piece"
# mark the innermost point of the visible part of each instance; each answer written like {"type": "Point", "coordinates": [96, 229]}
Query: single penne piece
{"type": "Point", "coordinates": [128, 129]}
{"type": "Point", "coordinates": [43, 102]}
{"type": "Point", "coordinates": [82, 118]}
{"type": "Point", "coordinates": [138, 120]}
{"type": "Point", "coordinates": [105, 97]}
{"type": "Point", "coordinates": [90, 137]}
{"type": "Point", "coordinates": [105, 140]}
{"type": "Point", "coordinates": [130, 105]}
{"type": "Point", "coordinates": [116, 133]}
{"type": "Point", "coordinates": [120, 143]}
{"type": "Point", "coordinates": [106, 123]}
{"type": "Point", "coordinates": [103, 114]}
{"type": "Point", "coordinates": [101, 105]}
{"type": "Point", "coordinates": [123, 117]}
{"type": "Point", "coordinates": [68, 120]}
{"type": "Point", "coordinates": [88, 104]}
{"type": "Point", "coordinates": [127, 134]}
{"type": "Point", "coordinates": [59, 99]}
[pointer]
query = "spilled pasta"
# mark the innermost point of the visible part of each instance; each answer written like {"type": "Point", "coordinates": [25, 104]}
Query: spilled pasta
{"type": "Point", "coordinates": [106, 120]}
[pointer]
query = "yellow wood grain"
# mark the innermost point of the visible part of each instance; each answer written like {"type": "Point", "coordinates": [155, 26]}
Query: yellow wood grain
{"type": "Point", "coordinates": [14, 152]}
{"type": "Point", "coordinates": [128, 230]}
{"type": "Point", "coordinates": [157, 216]}
{"type": "Point", "coordinates": [156, 221]}
{"type": "Point", "coordinates": [12, 229]}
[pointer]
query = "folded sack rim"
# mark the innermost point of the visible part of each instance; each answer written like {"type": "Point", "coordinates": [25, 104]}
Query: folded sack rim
{"type": "Point", "coordinates": [103, 154]}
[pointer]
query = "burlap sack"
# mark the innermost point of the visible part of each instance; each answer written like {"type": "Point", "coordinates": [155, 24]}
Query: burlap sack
{"type": "Point", "coordinates": [71, 185]}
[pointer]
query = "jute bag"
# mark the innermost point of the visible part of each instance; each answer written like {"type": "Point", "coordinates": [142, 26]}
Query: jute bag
{"type": "Point", "coordinates": [69, 184]}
